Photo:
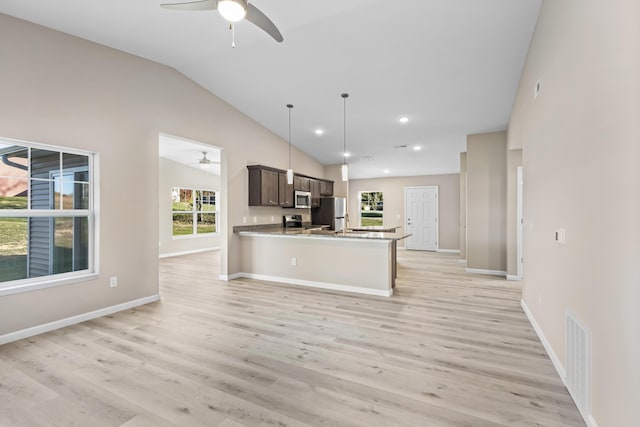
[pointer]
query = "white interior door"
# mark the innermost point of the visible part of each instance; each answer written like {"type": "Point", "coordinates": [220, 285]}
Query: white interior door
{"type": "Point", "coordinates": [421, 218]}
{"type": "Point", "coordinates": [520, 221]}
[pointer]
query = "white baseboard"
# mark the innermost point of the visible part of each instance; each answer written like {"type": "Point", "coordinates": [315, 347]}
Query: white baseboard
{"type": "Point", "coordinates": [513, 277]}
{"type": "Point", "coordinates": [543, 339]}
{"type": "Point", "coordinates": [229, 277]}
{"type": "Point", "coordinates": [193, 251]}
{"type": "Point", "coordinates": [588, 418]}
{"type": "Point", "coordinates": [489, 272]}
{"type": "Point", "coordinates": [57, 324]}
{"type": "Point", "coordinates": [449, 251]}
{"type": "Point", "coordinates": [312, 284]}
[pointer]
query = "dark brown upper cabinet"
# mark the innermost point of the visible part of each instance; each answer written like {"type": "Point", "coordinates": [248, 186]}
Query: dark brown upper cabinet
{"type": "Point", "coordinates": [326, 188]}
{"type": "Point", "coordinates": [263, 186]}
{"type": "Point", "coordinates": [301, 183]}
{"type": "Point", "coordinates": [285, 191]}
{"type": "Point", "coordinates": [315, 193]}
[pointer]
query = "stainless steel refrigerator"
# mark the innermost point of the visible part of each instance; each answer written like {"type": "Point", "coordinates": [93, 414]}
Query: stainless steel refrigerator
{"type": "Point", "coordinates": [331, 212]}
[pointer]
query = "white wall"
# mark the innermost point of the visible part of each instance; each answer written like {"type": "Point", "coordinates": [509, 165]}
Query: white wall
{"type": "Point", "coordinates": [580, 142]}
{"type": "Point", "coordinates": [173, 174]}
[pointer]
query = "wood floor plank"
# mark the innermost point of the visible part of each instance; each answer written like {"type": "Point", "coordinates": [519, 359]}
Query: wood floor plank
{"type": "Point", "coordinates": [449, 349]}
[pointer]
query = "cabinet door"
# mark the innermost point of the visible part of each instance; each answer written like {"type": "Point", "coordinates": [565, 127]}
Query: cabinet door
{"type": "Point", "coordinates": [269, 188]}
{"type": "Point", "coordinates": [326, 188]}
{"type": "Point", "coordinates": [315, 193]}
{"type": "Point", "coordinates": [285, 192]}
{"type": "Point", "coordinates": [301, 183]}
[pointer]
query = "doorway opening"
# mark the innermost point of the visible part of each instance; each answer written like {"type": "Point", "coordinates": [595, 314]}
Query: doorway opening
{"type": "Point", "coordinates": [190, 197]}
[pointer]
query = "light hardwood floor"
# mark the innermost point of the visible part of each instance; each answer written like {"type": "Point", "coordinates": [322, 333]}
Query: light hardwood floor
{"type": "Point", "coordinates": [449, 349]}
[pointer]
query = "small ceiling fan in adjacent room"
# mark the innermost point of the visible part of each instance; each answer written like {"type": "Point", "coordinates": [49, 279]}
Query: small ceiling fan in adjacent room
{"type": "Point", "coordinates": [233, 11]}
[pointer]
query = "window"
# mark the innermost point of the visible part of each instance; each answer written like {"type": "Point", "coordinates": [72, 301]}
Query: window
{"type": "Point", "coordinates": [46, 214]}
{"type": "Point", "coordinates": [194, 211]}
{"type": "Point", "coordinates": [371, 208]}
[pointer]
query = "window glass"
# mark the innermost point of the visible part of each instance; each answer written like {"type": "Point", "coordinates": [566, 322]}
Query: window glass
{"type": "Point", "coordinates": [371, 208]}
{"type": "Point", "coordinates": [206, 223]}
{"type": "Point", "coordinates": [51, 242]}
{"type": "Point", "coordinates": [13, 248]}
{"type": "Point", "coordinates": [14, 193]}
{"type": "Point", "coordinates": [14, 161]}
{"type": "Point", "coordinates": [194, 211]}
{"type": "Point", "coordinates": [182, 224]}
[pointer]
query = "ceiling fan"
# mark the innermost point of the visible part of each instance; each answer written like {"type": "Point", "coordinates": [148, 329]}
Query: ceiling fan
{"type": "Point", "coordinates": [232, 11]}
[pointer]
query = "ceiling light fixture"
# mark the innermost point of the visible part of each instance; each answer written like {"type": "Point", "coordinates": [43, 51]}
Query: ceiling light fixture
{"type": "Point", "coordinates": [205, 163]}
{"type": "Point", "coordinates": [417, 148]}
{"type": "Point", "coordinates": [232, 10]}
{"type": "Point", "coordinates": [346, 154]}
{"type": "Point", "coordinates": [404, 119]}
{"type": "Point", "coordinates": [345, 168]}
{"type": "Point", "coordinates": [319, 132]}
{"type": "Point", "coordinates": [289, 171]}
{"type": "Point", "coordinates": [386, 171]}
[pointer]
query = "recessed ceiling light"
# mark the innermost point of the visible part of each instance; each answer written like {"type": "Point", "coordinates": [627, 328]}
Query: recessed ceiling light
{"type": "Point", "coordinates": [347, 154]}
{"type": "Point", "coordinates": [386, 171]}
{"type": "Point", "coordinates": [319, 131]}
{"type": "Point", "coordinates": [404, 119]}
{"type": "Point", "coordinates": [417, 148]}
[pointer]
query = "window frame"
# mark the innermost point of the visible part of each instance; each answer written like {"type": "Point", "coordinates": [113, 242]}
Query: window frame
{"type": "Point", "coordinates": [91, 213]}
{"type": "Point", "coordinates": [194, 212]}
{"type": "Point", "coordinates": [360, 207]}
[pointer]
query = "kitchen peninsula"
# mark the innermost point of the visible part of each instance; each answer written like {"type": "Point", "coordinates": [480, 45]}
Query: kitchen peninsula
{"type": "Point", "coordinates": [361, 262]}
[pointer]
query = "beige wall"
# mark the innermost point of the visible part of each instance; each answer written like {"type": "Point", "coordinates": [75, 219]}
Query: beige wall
{"type": "Point", "coordinates": [580, 153]}
{"type": "Point", "coordinates": [486, 201]}
{"type": "Point", "coordinates": [61, 90]}
{"type": "Point", "coordinates": [362, 264]}
{"type": "Point", "coordinates": [393, 193]}
{"type": "Point", "coordinates": [172, 174]}
{"type": "Point", "coordinates": [462, 226]}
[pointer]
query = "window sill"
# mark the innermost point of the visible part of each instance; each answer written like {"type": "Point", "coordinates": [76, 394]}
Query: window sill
{"type": "Point", "coordinates": [195, 236]}
{"type": "Point", "coordinates": [45, 283]}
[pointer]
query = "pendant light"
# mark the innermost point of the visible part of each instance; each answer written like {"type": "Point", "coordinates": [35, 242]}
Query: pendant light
{"type": "Point", "coordinates": [289, 171]}
{"type": "Point", "coordinates": [345, 167]}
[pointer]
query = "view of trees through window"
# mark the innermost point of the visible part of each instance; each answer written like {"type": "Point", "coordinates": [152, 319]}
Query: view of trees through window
{"type": "Point", "coordinates": [194, 211]}
{"type": "Point", "coordinates": [371, 208]}
{"type": "Point", "coordinates": [45, 211]}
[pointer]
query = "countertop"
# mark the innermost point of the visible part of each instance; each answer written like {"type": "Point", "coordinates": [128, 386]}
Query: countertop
{"type": "Point", "coordinates": [318, 233]}
{"type": "Point", "coordinates": [375, 228]}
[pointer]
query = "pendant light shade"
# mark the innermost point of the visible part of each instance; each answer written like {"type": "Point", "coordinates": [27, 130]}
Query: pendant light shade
{"type": "Point", "coordinates": [345, 167]}
{"type": "Point", "coordinates": [232, 10]}
{"type": "Point", "coordinates": [289, 171]}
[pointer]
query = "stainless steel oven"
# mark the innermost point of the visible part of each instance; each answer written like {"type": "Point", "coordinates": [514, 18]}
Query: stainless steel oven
{"type": "Point", "coordinates": [302, 199]}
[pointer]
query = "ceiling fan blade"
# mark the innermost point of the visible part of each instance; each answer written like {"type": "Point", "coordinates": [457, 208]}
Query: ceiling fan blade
{"type": "Point", "coordinates": [260, 19]}
{"type": "Point", "coordinates": [192, 5]}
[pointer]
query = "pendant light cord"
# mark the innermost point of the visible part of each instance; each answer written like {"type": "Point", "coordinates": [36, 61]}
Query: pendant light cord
{"type": "Point", "coordinates": [344, 136]}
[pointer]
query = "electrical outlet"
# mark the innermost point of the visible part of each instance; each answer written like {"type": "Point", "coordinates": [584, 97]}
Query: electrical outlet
{"type": "Point", "coordinates": [244, 219]}
{"type": "Point", "coordinates": [113, 281]}
{"type": "Point", "coordinates": [294, 262]}
{"type": "Point", "coordinates": [273, 218]}
{"type": "Point", "coordinates": [255, 219]}
{"type": "Point", "coordinates": [560, 236]}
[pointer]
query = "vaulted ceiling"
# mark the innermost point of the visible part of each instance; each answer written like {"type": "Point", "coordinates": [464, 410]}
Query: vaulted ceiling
{"type": "Point", "coordinates": [450, 66]}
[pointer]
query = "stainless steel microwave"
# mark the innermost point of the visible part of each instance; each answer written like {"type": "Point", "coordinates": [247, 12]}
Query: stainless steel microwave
{"type": "Point", "coordinates": [302, 199]}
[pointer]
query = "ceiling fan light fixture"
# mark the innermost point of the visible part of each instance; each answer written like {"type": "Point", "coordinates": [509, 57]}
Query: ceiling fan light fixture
{"type": "Point", "coordinates": [232, 10]}
{"type": "Point", "coordinates": [205, 163]}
